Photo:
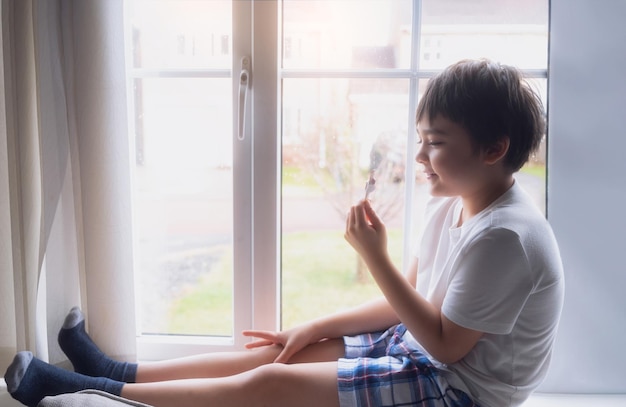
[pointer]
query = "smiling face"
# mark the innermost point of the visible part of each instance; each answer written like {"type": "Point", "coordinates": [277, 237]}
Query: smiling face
{"type": "Point", "coordinates": [492, 102]}
{"type": "Point", "coordinates": [451, 162]}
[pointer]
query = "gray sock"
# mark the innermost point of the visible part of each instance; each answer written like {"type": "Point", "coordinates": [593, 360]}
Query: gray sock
{"type": "Point", "coordinates": [29, 380]}
{"type": "Point", "coordinates": [85, 355]}
{"type": "Point", "coordinates": [16, 370]}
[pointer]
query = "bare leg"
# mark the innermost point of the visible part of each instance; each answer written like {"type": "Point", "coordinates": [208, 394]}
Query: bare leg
{"type": "Point", "coordinates": [303, 385]}
{"type": "Point", "coordinates": [207, 365]}
{"type": "Point", "coordinates": [230, 363]}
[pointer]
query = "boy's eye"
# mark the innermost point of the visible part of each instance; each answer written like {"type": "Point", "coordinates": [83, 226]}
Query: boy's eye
{"type": "Point", "coordinates": [429, 142]}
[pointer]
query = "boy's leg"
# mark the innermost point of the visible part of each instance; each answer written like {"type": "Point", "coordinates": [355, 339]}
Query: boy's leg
{"type": "Point", "coordinates": [30, 379]}
{"type": "Point", "coordinates": [230, 363]}
{"type": "Point", "coordinates": [303, 385]}
{"type": "Point", "coordinates": [88, 359]}
{"type": "Point", "coordinates": [85, 356]}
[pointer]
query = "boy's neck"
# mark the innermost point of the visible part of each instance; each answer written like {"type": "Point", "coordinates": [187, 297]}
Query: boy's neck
{"type": "Point", "coordinates": [481, 199]}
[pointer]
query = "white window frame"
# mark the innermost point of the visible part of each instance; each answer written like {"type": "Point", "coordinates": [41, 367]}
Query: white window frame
{"type": "Point", "coordinates": [257, 35]}
{"type": "Point", "coordinates": [154, 347]}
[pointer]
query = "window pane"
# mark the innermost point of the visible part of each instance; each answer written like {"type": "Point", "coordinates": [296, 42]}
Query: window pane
{"type": "Point", "coordinates": [183, 205]}
{"type": "Point", "coordinates": [361, 34]}
{"type": "Point", "coordinates": [182, 34]}
{"type": "Point", "coordinates": [510, 32]}
{"type": "Point", "coordinates": [335, 131]}
{"type": "Point", "coordinates": [533, 175]}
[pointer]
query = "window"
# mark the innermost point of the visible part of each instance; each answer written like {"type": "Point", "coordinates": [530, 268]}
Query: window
{"type": "Point", "coordinates": [184, 212]}
{"type": "Point", "coordinates": [231, 233]}
{"type": "Point", "coordinates": [354, 93]}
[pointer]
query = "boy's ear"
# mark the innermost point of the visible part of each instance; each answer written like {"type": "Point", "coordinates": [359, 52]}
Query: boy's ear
{"type": "Point", "coordinates": [497, 151]}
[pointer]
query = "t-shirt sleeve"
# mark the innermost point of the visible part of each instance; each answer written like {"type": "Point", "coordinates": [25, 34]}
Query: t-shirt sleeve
{"type": "Point", "coordinates": [490, 284]}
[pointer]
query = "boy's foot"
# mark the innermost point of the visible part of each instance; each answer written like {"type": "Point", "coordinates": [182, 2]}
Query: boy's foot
{"type": "Point", "coordinates": [85, 355]}
{"type": "Point", "coordinates": [29, 380]}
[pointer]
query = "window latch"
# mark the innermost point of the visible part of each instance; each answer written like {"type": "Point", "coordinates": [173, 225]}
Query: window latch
{"type": "Point", "coordinates": [244, 84]}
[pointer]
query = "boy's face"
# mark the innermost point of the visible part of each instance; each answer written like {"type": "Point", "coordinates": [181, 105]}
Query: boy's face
{"type": "Point", "coordinates": [452, 164]}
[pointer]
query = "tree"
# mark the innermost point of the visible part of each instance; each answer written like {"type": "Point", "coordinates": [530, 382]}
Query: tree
{"type": "Point", "coordinates": [331, 158]}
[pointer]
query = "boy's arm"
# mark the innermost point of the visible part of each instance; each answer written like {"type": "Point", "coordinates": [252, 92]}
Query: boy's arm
{"type": "Point", "coordinates": [442, 338]}
{"type": "Point", "coordinates": [445, 340]}
{"type": "Point", "coordinates": [372, 316]}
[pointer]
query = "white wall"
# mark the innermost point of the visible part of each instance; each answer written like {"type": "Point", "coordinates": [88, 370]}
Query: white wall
{"type": "Point", "coordinates": [587, 191]}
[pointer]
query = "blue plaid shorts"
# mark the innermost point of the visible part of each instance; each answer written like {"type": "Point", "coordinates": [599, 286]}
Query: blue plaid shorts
{"type": "Point", "coordinates": [382, 370]}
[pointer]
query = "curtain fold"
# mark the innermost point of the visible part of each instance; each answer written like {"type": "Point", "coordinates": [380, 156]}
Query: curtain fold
{"type": "Point", "coordinates": [23, 170]}
{"type": "Point", "coordinates": [65, 212]}
{"type": "Point", "coordinates": [103, 148]}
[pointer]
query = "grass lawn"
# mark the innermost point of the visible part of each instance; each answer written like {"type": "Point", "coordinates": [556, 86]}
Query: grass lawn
{"type": "Point", "coordinates": [318, 277]}
{"type": "Point", "coordinates": [538, 170]}
{"type": "Point", "coordinates": [206, 307]}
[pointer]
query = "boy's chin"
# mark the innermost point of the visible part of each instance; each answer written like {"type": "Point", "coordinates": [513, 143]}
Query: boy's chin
{"type": "Point", "coordinates": [441, 193]}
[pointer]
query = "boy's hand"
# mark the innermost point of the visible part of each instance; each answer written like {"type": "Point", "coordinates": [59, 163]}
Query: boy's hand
{"type": "Point", "coordinates": [365, 232]}
{"type": "Point", "coordinates": [292, 341]}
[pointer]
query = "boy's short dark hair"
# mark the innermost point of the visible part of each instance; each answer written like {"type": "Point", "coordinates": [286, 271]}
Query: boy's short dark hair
{"type": "Point", "coordinates": [491, 101]}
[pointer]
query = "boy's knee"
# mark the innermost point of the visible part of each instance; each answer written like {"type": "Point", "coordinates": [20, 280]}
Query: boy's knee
{"type": "Point", "coordinates": [272, 372]}
{"type": "Point", "coordinates": [269, 379]}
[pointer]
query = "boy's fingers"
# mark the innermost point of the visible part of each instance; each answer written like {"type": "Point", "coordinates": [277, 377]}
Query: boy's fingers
{"type": "Point", "coordinates": [285, 354]}
{"type": "Point", "coordinates": [371, 214]}
{"type": "Point", "coordinates": [282, 357]}
{"type": "Point", "coordinates": [258, 334]}
{"type": "Point", "coordinates": [258, 344]}
{"type": "Point", "coordinates": [266, 338]}
{"type": "Point", "coordinates": [359, 215]}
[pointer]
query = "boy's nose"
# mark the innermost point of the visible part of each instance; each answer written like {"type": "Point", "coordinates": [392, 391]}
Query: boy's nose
{"type": "Point", "coordinates": [420, 156]}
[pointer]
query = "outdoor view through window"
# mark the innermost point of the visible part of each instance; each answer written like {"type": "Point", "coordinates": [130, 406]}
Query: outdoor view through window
{"type": "Point", "coordinates": [351, 72]}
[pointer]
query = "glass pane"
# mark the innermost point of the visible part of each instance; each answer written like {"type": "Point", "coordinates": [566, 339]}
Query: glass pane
{"type": "Point", "coordinates": [182, 34]}
{"type": "Point", "coordinates": [335, 131]}
{"type": "Point", "coordinates": [510, 32]}
{"type": "Point", "coordinates": [361, 34]}
{"type": "Point", "coordinates": [533, 175]}
{"type": "Point", "coordinates": [183, 205]}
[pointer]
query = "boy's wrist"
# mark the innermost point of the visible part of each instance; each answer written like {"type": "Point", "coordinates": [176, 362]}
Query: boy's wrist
{"type": "Point", "coordinates": [321, 328]}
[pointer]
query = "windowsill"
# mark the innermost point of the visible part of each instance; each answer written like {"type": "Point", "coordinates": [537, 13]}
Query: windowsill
{"type": "Point", "coordinates": [576, 400]}
{"type": "Point", "coordinates": [536, 400]}
{"type": "Point", "coordinates": [5, 398]}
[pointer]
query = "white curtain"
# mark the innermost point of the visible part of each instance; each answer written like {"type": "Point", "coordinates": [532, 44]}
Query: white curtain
{"type": "Point", "coordinates": [65, 210]}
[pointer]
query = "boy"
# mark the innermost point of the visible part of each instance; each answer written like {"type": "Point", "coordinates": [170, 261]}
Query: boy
{"type": "Point", "coordinates": [474, 327]}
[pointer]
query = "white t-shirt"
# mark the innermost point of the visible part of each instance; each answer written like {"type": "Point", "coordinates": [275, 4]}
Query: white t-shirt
{"type": "Point", "coordinates": [499, 273]}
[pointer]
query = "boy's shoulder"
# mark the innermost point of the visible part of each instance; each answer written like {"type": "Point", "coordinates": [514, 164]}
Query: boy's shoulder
{"type": "Point", "coordinates": [525, 223]}
{"type": "Point", "coordinates": [515, 210]}
{"type": "Point", "coordinates": [517, 206]}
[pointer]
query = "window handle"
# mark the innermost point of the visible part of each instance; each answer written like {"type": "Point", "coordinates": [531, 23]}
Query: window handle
{"type": "Point", "coordinates": [244, 84]}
